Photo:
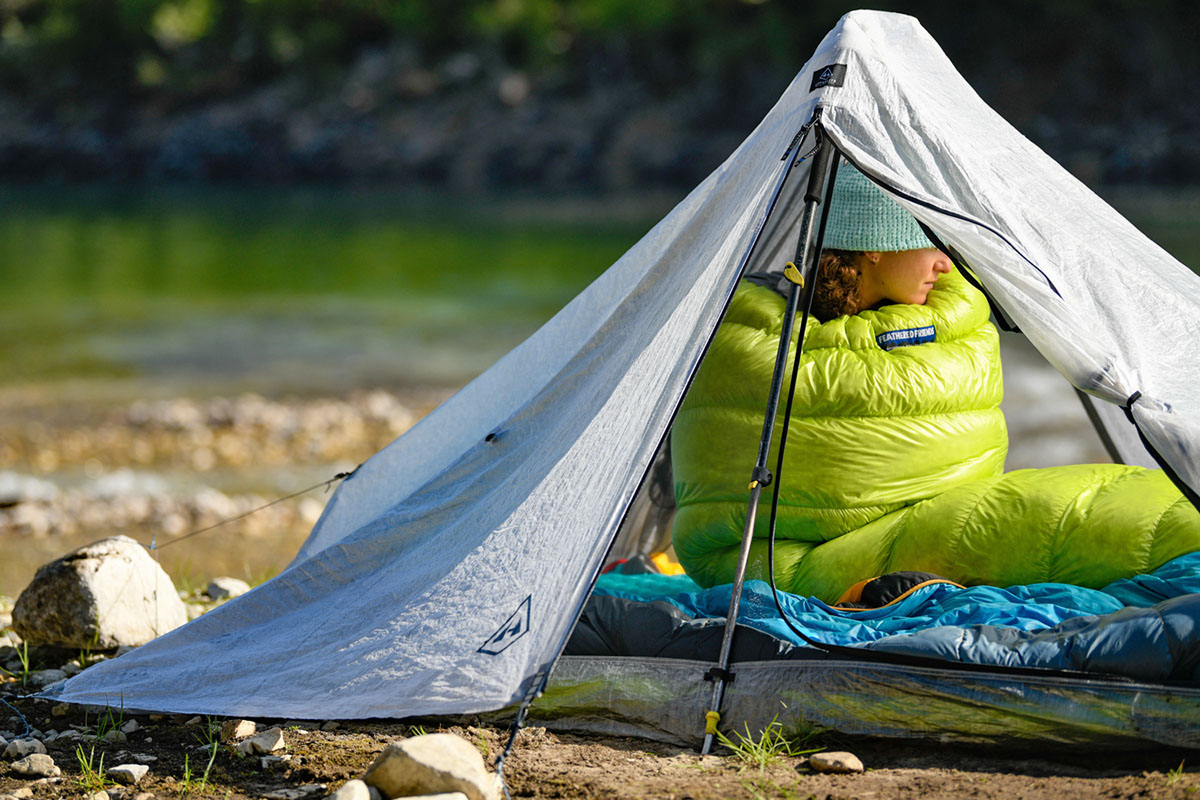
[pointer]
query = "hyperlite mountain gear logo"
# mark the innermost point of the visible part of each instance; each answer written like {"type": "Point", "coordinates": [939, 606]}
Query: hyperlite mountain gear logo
{"type": "Point", "coordinates": [833, 75]}
{"type": "Point", "coordinates": [893, 339]}
{"type": "Point", "coordinates": [516, 626]}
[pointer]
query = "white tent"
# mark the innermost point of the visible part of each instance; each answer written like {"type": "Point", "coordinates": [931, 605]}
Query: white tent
{"type": "Point", "coordinates": [446, 574]}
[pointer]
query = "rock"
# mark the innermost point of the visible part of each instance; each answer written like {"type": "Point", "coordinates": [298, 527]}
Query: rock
{"type": "Point", "coordinates": [37, 765]}
{"type": "Point", "coordinates": [194, 721]}
{"type": "Point", "coordinates": [100, 795]}
{"type": "Point", "coordinates": [144, 796]}
{"type": "Point", "coordinates": [437, 762]}
{"type": "Point", "coordinates": [24, 793]}
{"type": "Point", "coordinates": [128, 774]}
{"type": "Point", "coordinates": [226, 587]}
{"type": "Point", "coordinates": [438, 796]}
{"type": "Point", "coordinates": [131, 726]}
{"type": "Point", "coordinates": [45, 677]}
{"type": "Point", "coordinates": [102, 596]}
{"type": "Point", "coordinates": [838, 761]}
{"type": "Point", "coordinates": [352, 790]}
{"type": "Point", "coordinates": [304, 790]}
{"type": "Point", "coordinates": [71, 668]}
{"type": "Point", "coordinates": [268, 741]}
{"type": "Point", "coordinates": [234, 729]}
{"type": "Point", "coordinates": [19, 748]}
{"type": "Point", "coordinates": [267, 762]}
{"type": "Point", "coordinates": [331, 725]}
{"type": "Point", "coordinates": [115, 736]}
{"type": "Point", "coordinates": [144, 758]}
{"type": "Point", "coordinates": [60, 710]}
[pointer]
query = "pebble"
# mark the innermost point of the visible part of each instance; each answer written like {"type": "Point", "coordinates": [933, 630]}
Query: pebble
{"type": "Point", "coordinates": [194, 721]}
{"type": "Point", "coordinates": [431, 763]}
{"type": "Point", "coordinates": [331, 725]}
{"type": "Point", "coordinates": [234, 729]}
{"type": "Point", "coordinates": [225, 587]}
{"type": "Point", "coordinates": [268, 741]}
{"type": "Point", "coordinates": [837, 761]}
{"type": "Point", "coordinates": [19, 748]}
{"type": "Point", "coordinates": [128, 774]}
{"type": "Point", "coordinates": [352, 790]}
{"type": "Point", "coordinates": [144, 796]}
{"type": "Point", "coordinates": [307, 790]}
{"type": "Point", "coordinates": [131, 726]}
{"type": "Point", "coordinates": [144, 758]}
{"type": "Point", "coordinates": [115, 736]}
{"type": "Point", "coordinates": [45, 677]}
{"type": "Point", "coordinates": [266, 762]}
{"type": "Point", "coordinates": [60, 709]}
{"type": "Point", "coordinates": [100, 795]}
{"type": "Point", "coordinates": [37, 765]}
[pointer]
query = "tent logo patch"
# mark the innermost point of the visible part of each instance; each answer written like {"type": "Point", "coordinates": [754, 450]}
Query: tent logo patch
{"type": "Point", "coordinates": [832, 75]}
{"type": "Point", "coordinates": [516, 626]}
{"type": "Point", "coordinates": [893, 339]}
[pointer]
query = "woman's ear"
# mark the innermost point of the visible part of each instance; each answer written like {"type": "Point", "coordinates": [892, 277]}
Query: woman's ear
{"type": "Point", "coordinates": [873, 256]}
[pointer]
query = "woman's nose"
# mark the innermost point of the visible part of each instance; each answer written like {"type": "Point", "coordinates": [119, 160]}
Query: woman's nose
{"type": "Point", "coordinates": [942, 265]}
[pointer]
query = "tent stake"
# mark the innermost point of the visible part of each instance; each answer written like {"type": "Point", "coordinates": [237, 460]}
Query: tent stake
{"type": "Point", "coordinates": [761, 476]}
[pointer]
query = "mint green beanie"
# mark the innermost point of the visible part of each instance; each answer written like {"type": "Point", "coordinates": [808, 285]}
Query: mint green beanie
{"type": "Point", "coordinates": [863, 218]}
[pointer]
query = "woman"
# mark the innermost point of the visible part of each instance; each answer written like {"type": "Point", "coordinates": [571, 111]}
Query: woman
{"type": "Point", "coordinates": [896, 443]}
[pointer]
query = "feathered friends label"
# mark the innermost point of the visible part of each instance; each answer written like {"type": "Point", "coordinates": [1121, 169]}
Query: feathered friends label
{"type": "Point", "coordinates": [893, 339]}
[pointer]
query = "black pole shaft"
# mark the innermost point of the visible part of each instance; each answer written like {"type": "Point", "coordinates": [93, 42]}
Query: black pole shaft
{"type": "Point", "coordinates": [761, 476]}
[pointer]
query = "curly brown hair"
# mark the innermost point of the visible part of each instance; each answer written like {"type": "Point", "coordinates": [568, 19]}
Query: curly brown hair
{"type": "Point", "coordinates": [836, 293]}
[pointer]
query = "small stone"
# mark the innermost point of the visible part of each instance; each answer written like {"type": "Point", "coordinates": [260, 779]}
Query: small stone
{"type": "Point", "coordinates": [225, 587]}
{"type": "Point", "coordinates": [24, 793]}
{"type": "Point", "coordinates": [331, 725]}
{"type": "Point", "coordinates": [352, 790]}
{"type": "Point", "coordinates": [60, 710]}
{"type": "Point", "coordinates": [45, 677]}
{"type": "Point", "coordinates": [233, 730]}
{"type": "Point", "coordinates": [116, 792]}
{"type": "Point", "coordinates": [266, 742]}
{"type": "Point", "coordinates": [144, 758]}
{"type": "Point", "coordinates": [376, 794]}
{"type": "Point", "coordinates": [837, 761]}
{"type": "Point", "coordinates": [438, 762]}
{"type": "Point", "coordinates": [194, 721]}
{"type": "Point", "coordinates": [19, 748]}
{"type": "Point", "coordinates": [131, 726]}
{"type": "Point", "coordinates": [128, 774]}
{"type": "Point", "coordinates": [305, 790]}
{"type": "Point", "coordinates": [155, 718]}
{"type": "Point", "coordinates": [100, 795]}
{"type": "Point", "coordinates": [37, 765]}
{"type": "Point", "coordinates": [266, 762]}
{"type": "Point", "coordinates": [144, 796]}
{"type": "Point", "coordinates": [71, 668]}
{"type": "Point", "coordinates": [115, 736]}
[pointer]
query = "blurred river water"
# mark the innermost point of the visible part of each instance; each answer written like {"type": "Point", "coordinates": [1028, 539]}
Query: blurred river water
{"type": "Point", "coordinates": [184, 355]}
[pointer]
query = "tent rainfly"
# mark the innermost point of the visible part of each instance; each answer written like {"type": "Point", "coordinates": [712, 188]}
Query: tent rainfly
{"type": "Point", "coordinates": [448, 571]}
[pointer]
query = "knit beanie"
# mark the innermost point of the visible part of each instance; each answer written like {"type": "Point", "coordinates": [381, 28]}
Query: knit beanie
{"type": "Point", "coordinates": [863, 218]}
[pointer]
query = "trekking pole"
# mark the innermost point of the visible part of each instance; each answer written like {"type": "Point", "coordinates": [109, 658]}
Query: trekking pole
{"type": "Point", "coordinates": [761, 476]}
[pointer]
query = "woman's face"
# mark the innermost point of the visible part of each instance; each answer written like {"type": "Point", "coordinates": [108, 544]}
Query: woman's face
{"type": "Point", "coordinates": [902, 277]}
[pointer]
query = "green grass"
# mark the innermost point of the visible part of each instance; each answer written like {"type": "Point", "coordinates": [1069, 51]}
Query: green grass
{"type": "Point", "coordinates": [771, 745]}
{"type": "Point", "coordinates": [91, 770]}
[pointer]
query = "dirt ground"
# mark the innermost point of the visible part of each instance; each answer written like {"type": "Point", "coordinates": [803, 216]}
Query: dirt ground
{"type": "Point", "coordinates": [317, 760]}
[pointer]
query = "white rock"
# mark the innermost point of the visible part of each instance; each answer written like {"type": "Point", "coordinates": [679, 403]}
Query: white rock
{"type": "Point", "coordinates": [100, 795]}
{"type": "Point", "coordinates": [128, 774]}
{"type": "Point", "coordinates": [439, 796]}
{"type": "Point", "coordinates": [226, 587]}
{"type": "Point", "coordinates": [24, 793]}
{"type": "Point", "coordinates": [234, 729]}
{"type": "Point", "coordinates": [268, 741]}
{"type": "Point", "coordinates": [437, 762]}
{"type": "Point", "coordinates": [194, 721]}
{"type": "Point", "coordinates": [3, 743]}
{"type": "Point", "coordinates": [266, 762]}
{"type": "Point", "coordinates": [144, 758]}
{"type": "Point", "coordinates": [36, 765]}
{"type": "Point", "coordinates": [837, 761]}
{"type": "Point", "coordinates": [19, 748]}
{"type": "Point", "coordinates": [115, 736]}
{"type": "Point", "coordinates": [101, 596]}
{"type": "Point", "coordinates": [304, 790]}
{"type": "Point", "coordinates": [352, 790]}
{"type": "Point", "coordinates": [131, 726]}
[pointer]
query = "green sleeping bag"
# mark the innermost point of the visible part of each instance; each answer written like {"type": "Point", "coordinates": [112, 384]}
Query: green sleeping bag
{"type": "Point", "coordinates": [895, 461]}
